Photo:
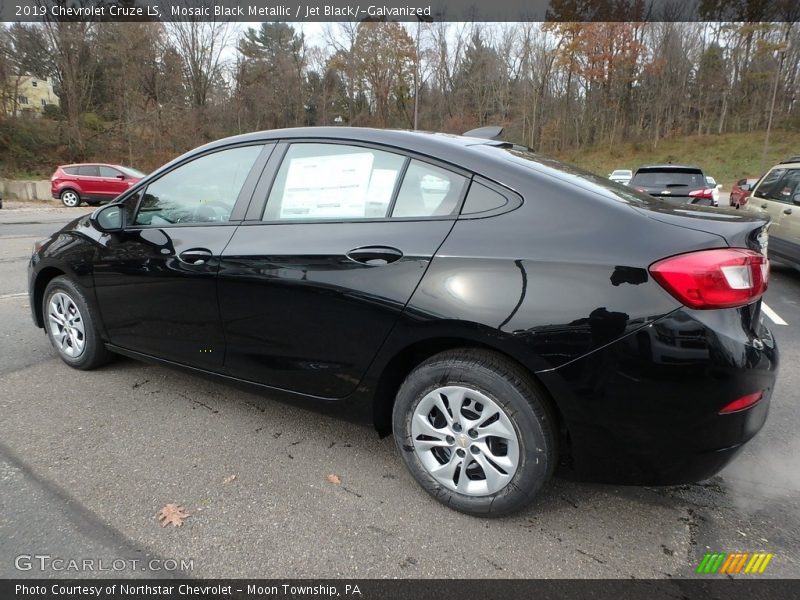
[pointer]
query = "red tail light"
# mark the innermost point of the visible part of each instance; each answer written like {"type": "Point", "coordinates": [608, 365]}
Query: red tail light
{"type": "Point", "coordinates": [742, 403]}
{"type": "Point", "coordinates": [719, 278]}
{"type": "Point", "coordinates": [704, 193]}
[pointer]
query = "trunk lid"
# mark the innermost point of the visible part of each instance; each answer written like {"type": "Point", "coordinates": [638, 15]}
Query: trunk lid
{"type": "Point", "coordinates": [739, 229]}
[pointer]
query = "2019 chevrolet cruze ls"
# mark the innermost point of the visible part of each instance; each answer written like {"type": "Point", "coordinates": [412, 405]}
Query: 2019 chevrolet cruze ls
{"type": "Point", "coordinates": [499, 313]}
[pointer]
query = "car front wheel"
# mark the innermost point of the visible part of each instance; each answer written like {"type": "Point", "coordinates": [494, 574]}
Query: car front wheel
{"type": "Point", "coordinates": [70, 198]}
{"type": "Point", "coordinates": [71, 326]}
{"type": "Point", "coordinates": [476, 432]}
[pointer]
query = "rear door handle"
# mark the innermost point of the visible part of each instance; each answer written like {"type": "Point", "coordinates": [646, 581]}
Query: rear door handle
{"type": "Point", "coordinates": [788, 211]}
{"type": "Point", "coordinates": [763, 206]}
{"type": "Point", "coordinates": [375, 256]}
{"type": "Point", "coordinates": [195, 256]}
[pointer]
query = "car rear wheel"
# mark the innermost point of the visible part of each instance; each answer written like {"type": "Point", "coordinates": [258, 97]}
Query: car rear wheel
{"type": "Point", "coordinates": [71, 327]}
{"type": "Point", "coordinates": [70, 198]}
{"type": "Point", "coordinates": [475, 431]}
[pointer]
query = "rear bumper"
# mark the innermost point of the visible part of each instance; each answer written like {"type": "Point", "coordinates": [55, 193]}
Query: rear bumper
{"type": "Point", "coordinates": [646, 409]}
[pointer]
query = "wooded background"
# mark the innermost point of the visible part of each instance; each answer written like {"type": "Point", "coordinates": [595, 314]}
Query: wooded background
{"type": "Point", "coordinates": [142, 93]}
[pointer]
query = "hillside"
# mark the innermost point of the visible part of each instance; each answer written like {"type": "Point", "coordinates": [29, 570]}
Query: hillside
{"type": "Point", "coordinates": [726, 157]}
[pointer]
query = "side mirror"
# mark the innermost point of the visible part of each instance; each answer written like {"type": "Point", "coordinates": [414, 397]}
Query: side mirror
{"type": "Point", "coordinates": [109, 218]}
{"type": "Point", "coordinates": [719, 186]}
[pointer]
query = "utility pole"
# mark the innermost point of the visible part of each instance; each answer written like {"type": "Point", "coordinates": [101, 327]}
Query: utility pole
{"type": "Point", "coordinates": [778, 70]}
{"type": "Point", "coordinates": [420, 19]}
{"type": "Point", "coordinates": [416, 80]}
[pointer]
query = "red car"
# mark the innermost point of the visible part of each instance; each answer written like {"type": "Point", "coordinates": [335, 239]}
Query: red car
{"type": "Point", "coordinates": [92, 183]}
{"type": "Point", "coordinates": [740, 192]}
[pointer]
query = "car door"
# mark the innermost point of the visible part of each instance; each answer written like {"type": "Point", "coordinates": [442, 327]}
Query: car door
{"type": "Point", "coordinates": [762, 199]}
{"type": "Point", "coordinates": [784, 197]}
{"type": "Point", "coordinates": [89, 179]}
{"type": "Point", "coordinates": [316, 276]}
{"type": "Point", "coordinates": [156, 281]}
{"type": "Point", "coordinates": [113, 182]}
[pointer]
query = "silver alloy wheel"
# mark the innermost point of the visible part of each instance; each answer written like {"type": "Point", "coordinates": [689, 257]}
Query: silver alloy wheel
{"type": "Point", "coordinates": [66, 325]}
{"type": "Point", "coordinates": [70, 198]}
{"type": "Point", "coordinates": [465, 440]}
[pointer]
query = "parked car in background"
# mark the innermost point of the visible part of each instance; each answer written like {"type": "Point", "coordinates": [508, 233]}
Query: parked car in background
{"type": "Point", "coordinates": [778, 194]}
{"type": "Point", "coordinates": [622, 176]}
{"type": "Point", "coordinates": [740, 192]}
{"type": "Point", "coordinates": [675, 182]}
{"type": "Point", "coordinates": [715, 189]}
{"type": "Point", "coordinates": [394, 275]}
{"type": "Point", "coordinates": [92, 183]}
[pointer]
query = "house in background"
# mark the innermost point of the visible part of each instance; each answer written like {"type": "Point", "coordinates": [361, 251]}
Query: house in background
{"type": "Point", "coordinates": [29, 95]}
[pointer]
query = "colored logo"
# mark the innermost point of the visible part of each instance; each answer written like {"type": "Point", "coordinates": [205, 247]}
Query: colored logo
{"type": "Point", "coordinates": [739, 562]}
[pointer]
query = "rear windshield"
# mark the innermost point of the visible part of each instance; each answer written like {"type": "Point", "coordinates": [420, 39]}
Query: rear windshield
{"type": "Point", "coordinates": [666, 177]}
{"type": "Point", "coordinates": [532, 160]}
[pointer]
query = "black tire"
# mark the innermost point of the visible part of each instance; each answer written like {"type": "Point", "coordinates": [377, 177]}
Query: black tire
{"type": "Point", "coordinates": [94, 352]}
{"type": "Point", "coordinates": [516, 393]}
{"type": "Point", "coordinates": [70, 198]}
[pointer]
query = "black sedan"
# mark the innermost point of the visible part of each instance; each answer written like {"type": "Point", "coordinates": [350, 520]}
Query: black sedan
{"type": "Point", "coordinates": [499, 313]}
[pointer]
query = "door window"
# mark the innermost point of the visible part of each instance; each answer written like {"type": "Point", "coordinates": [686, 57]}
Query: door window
{"type": "Point", "coordinates": [428, 191]}
{"type": "Point", "coordinates": [768, 183]}
{"type": "Point", "coordinates": [108, 172]}
{"type": "Point", "coordinates": [201, 191]}
{"type": "Point", "coordinates": [89, 171]}
{"type": "Point", "coordinates": [333, 181]}
{"type": "Point", "coordinates": [786, 187]}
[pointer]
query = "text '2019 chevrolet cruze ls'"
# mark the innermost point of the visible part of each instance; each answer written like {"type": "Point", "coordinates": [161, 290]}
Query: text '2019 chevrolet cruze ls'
{"type": "Point", "coordinates": [498, 312]}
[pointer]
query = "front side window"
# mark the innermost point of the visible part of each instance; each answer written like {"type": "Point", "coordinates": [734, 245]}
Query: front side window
{"type": "Point", "coordinates": [786, 187]}
{"type": "Point", "coordinates": [428, 191]}
{"type": "Point", "coordinates": [768, 183]}
{"type": "Point", "coordinates": [108, 172]}
{"type": "Point", "coordinates": [201, 191]}
{"type": "Point", "coordinates": [333, 181]}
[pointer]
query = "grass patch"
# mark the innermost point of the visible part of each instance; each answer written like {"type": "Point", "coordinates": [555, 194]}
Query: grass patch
{"type": "Point", "coordinates": [727, 157]}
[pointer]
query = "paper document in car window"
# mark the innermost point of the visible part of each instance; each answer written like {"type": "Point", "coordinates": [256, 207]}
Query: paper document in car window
{"type": "Point", "coordinates": [327, 186]}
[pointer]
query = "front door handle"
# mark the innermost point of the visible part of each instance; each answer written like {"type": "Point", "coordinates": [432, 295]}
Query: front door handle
{"type": "Point", "coordinates": [375, 256]}
{"type": "Point", "coordinates": [764, 205]}
{"type": "Point", "coordinates": [788, 211]}
{"type": "Point", "coordinates": [195, 256]}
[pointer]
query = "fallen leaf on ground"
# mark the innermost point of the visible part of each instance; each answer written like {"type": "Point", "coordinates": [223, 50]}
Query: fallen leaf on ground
{"type": "Point", "coordinates": [172, 514]}
{"type": "Point", "coordinates": [229, 479]}
{"type": "Point", "coordinates": [334, 479]}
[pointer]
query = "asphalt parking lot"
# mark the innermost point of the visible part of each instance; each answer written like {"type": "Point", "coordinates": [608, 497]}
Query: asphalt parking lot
{"type": "Point", "coordinates": [88, 459]}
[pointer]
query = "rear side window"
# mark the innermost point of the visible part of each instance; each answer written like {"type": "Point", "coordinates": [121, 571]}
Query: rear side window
{"type": "Point", "coordinates": [482, 199]}
{"type": "Point", "coordinates": [333, 181]}
{"type": "Point", "coordinates": [89, 171]}
{"type": "Point", "coordinates": [71, 170]}
{"type": "Point", "coordinates": [428, 191]}
{"type": "Point", "coordinates": [669, 178]}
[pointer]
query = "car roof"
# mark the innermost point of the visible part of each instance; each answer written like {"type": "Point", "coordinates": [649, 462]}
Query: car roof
{"type": "Point", "coordinates": [89, 164]}
{"type": "Point", "coordinates": [398, 137]}
{"type": "Point", "coordinates": [670, 167]}
{"type": "Point", "coordinates": [457, 150]}
{"type": "Point", "coordinates": [787, 165]}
